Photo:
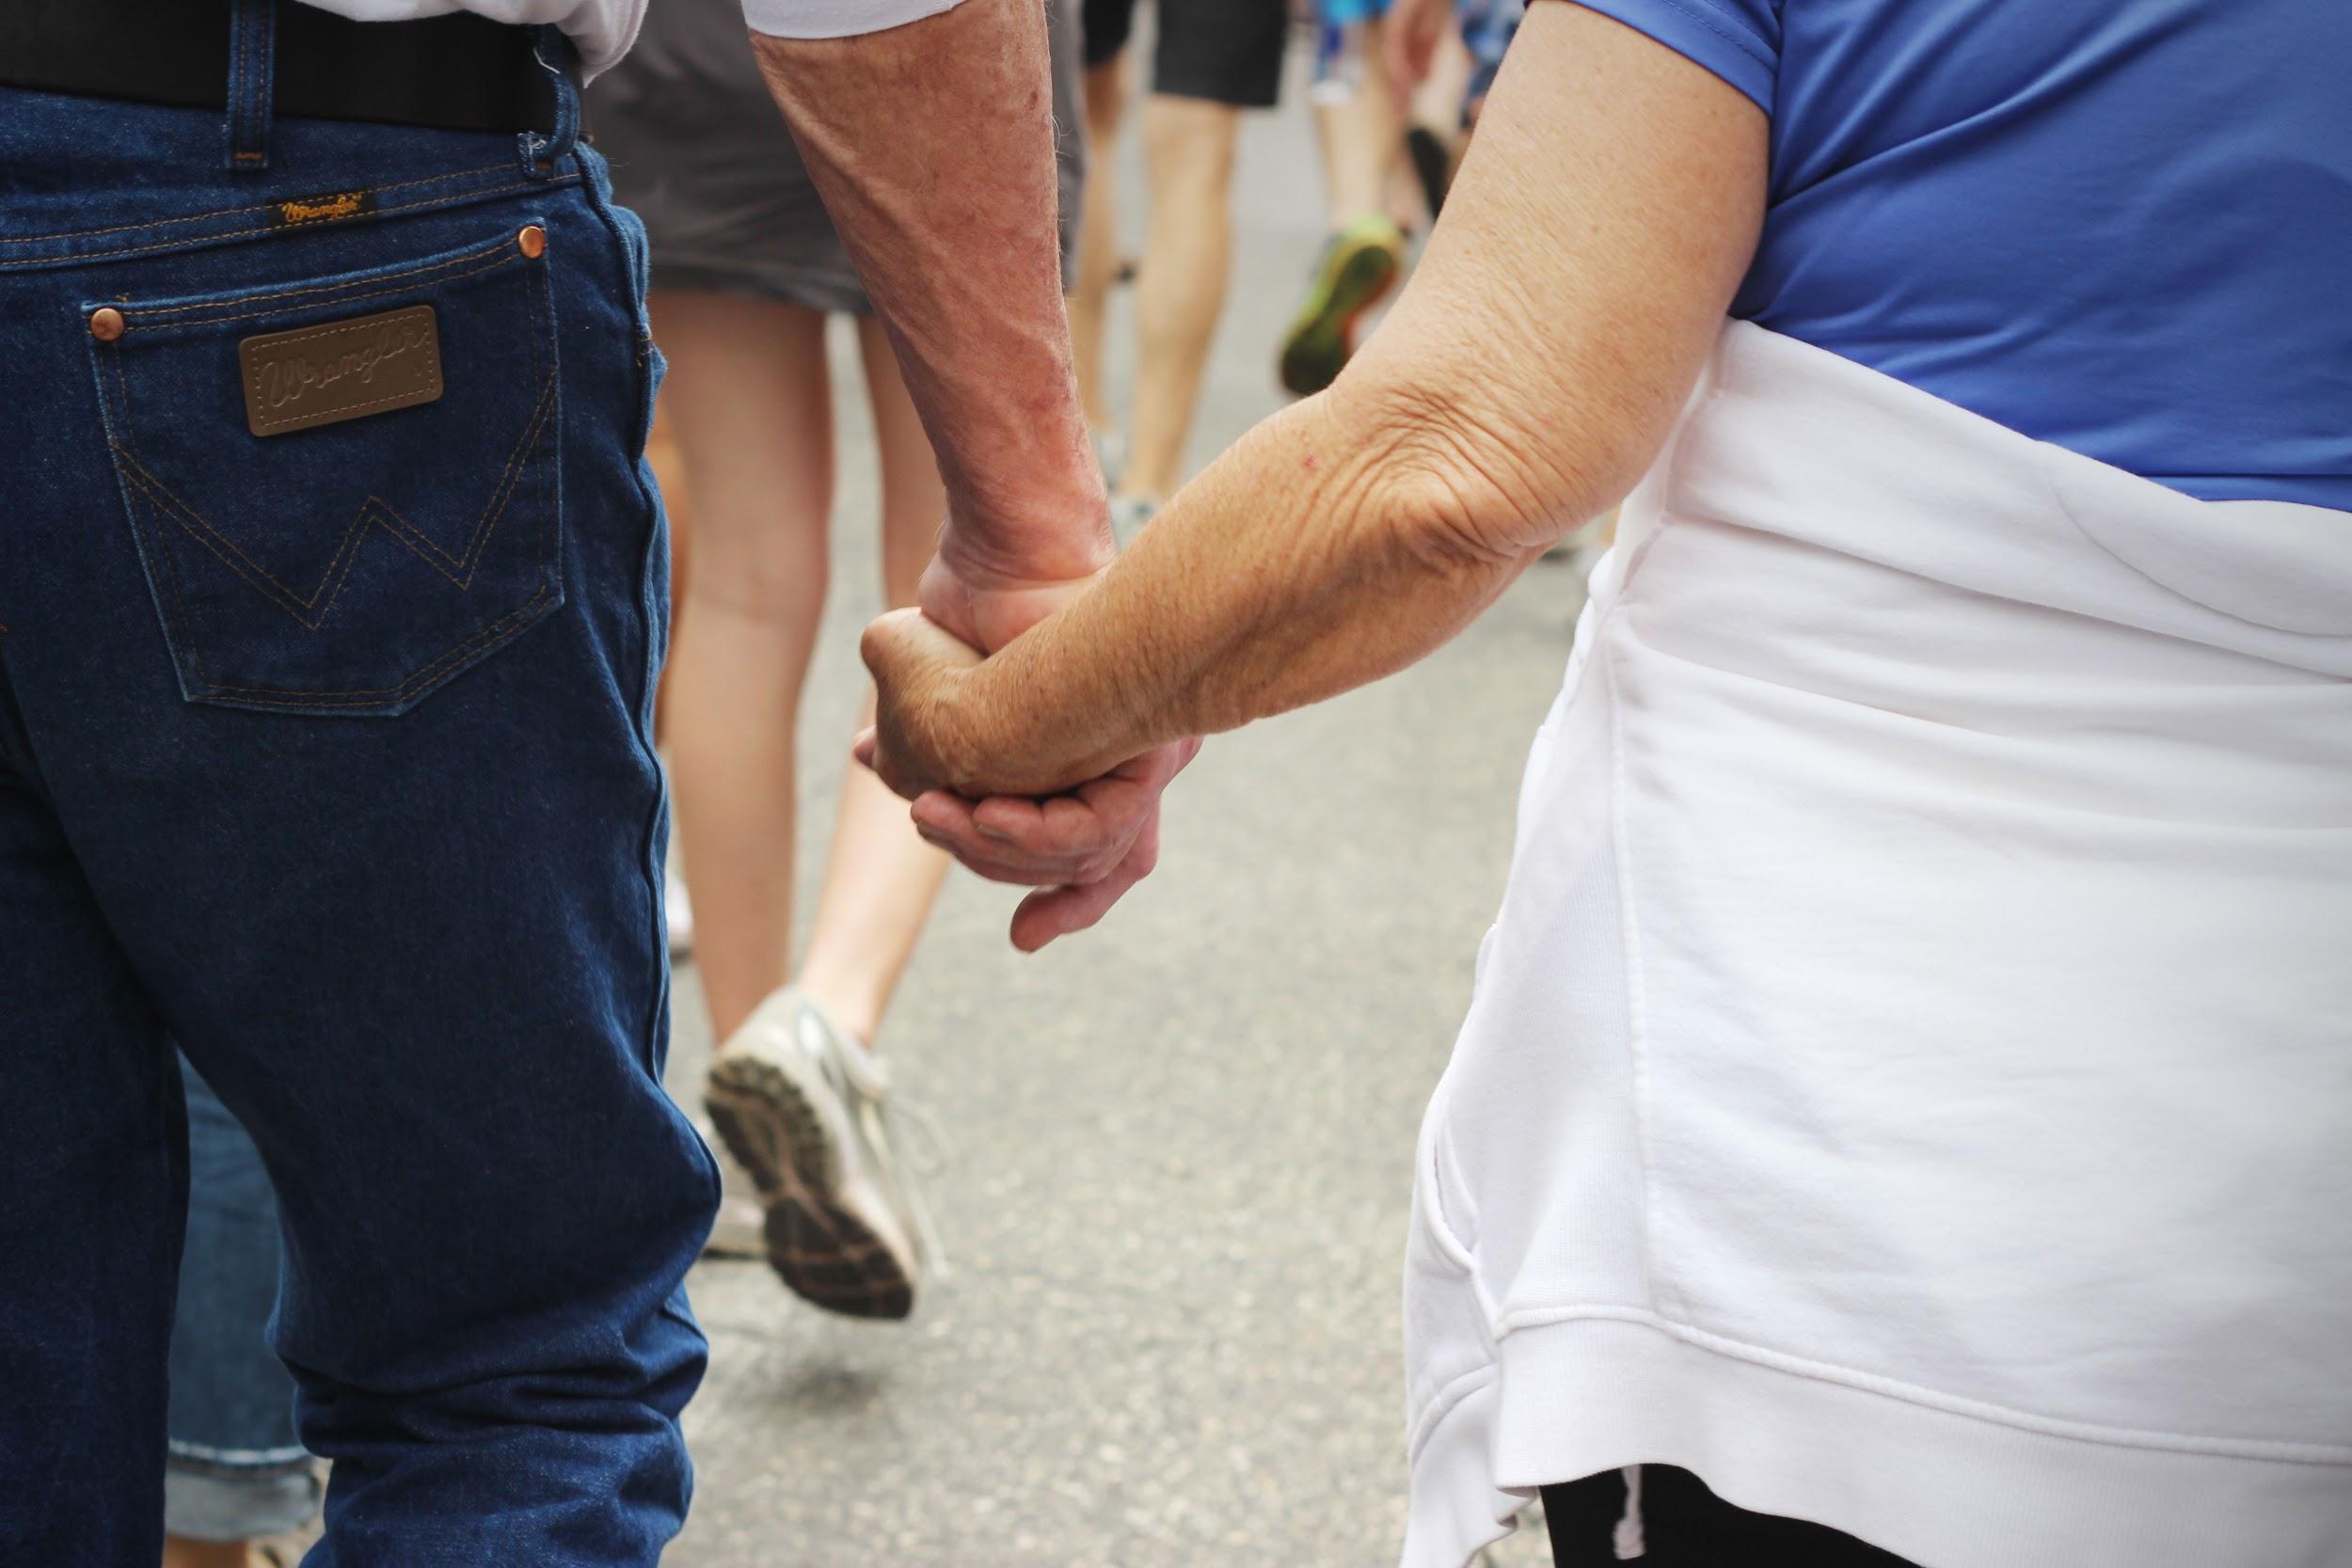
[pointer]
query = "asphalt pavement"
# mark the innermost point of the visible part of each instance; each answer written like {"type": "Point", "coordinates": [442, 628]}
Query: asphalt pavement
{"type": "Point", "coordinates": [1182, 1143]}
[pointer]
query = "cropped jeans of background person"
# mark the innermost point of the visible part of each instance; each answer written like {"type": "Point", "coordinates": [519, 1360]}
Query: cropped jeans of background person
{"type": "Point", "coordinates": [326, 754]}
{"type": "Point", "coordinates": [236, 1470]}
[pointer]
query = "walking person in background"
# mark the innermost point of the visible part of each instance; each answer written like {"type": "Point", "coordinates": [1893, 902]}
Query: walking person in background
{"type": "Point", "coordinates": [746, 270]}
{"type": "Point", "coordinates": [1212, 59]}
{"type": "Point", "coordinates": [1418, 29]}
{"type": "Point", "coordinates": [1362, 139]}
{"type": "Point", "coordinates": [236, 1473]}
{"type": "Point", "coordinates": [1104, 26]}
{"type": "Point", "coordinates": [1903, 1109]}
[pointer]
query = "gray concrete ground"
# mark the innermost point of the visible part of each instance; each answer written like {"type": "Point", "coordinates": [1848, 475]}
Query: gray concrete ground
{"type": "Point", "coordinates": [1177, 1205]}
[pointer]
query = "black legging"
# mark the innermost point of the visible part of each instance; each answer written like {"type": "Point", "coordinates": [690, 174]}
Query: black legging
{"type": "Point", "coordinates": [1686, 1525]}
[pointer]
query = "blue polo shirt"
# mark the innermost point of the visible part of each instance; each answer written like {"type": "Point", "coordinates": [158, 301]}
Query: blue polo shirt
{"type": "Point", "coordinates": [2121, 226]}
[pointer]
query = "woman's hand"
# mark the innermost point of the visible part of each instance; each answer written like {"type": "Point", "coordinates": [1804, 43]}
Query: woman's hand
{"type": "Point", "coordinates": [924, 737]}
{"type": "Point", "coordinates": [1011, 810]}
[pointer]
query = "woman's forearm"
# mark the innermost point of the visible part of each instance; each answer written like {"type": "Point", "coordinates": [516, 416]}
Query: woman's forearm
{"type": "Point", "coordinates": [1606, 213]}
{"type": "Point", "coordinates": [1324, 550]}
{"type": "Point", "coordinates": [1532, 366]}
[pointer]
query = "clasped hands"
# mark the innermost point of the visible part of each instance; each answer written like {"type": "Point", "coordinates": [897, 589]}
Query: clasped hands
{"type": "Point", "coordinates": [1025, 809]}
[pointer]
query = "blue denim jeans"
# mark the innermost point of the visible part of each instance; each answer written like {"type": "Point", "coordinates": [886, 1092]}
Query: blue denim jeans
{"type": "Point", "coordinates": [326, 754]}
{"type": "Point", "coordinates": [236, 1468]}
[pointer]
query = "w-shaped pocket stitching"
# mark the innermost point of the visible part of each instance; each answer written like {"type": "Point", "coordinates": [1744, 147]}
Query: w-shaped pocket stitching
{"type": "Point", "coordinates": [227, 521]}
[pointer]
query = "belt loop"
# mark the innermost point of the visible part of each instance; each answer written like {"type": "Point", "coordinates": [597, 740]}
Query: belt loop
{"type": "Point", "coordinates": [541, 152]}
{"type": "Point", "coordinates": [253, 50]}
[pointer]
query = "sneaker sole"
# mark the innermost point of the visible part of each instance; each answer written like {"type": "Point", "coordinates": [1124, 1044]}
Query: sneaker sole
{"type": "Point", "coordinates": [821, 1251]}
{"type": "Point", "coordinates": [1318, 346]}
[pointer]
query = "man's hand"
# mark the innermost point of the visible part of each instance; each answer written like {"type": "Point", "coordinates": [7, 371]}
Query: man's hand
{"type": "Point", "coordinates": [1031, 817]}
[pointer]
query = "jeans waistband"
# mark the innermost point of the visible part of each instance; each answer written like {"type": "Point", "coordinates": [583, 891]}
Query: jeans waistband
{"type": "Point", "coordinates": [93, 179]}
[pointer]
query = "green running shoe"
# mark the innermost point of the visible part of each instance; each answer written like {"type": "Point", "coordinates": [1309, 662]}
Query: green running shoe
{"type": "Point", "coordinates": [1358, 266]}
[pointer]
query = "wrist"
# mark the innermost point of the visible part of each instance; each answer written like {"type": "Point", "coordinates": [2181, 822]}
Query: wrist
{"type": "Point", "coordinates": [1035, 511]}
{"type": "Point", "coordinates": [991, 740]}
{"type": "Point", "coordinates": [990, 585]}
{"type": "Point", "coordinates": [1063, 535]}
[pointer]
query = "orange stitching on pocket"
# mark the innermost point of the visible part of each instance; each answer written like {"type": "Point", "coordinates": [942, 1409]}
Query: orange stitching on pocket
{"type": "Point", "coordinates": [96, 256]}
{"type": "Point", "coordinates": [506, 628]}
{"type": "Point", "coordinates": [310, 610]}
{"type": "Point", "coordinates": [231, 212]}
{"type": "Point", "coordinates": [138, 313]}
{"type": "Point", "coordinates": [382, 697]}
{"type": "Point", "coordinates": [172, 568]}
{"type": "Point", "coordinates": [343, 299]}
{"type": "Point", "coordinates": [493, 511]}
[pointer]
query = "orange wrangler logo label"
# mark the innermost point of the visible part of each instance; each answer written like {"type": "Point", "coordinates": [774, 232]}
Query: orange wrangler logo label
{"type": "Point", "coordinates": [333, 207]}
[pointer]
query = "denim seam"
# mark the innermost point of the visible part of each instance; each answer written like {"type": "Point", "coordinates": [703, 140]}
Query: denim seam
{"type": "Point", "coordinates": [498, 632]}
{"type": "Point", "coordinates": [308, 611]}
{"type": "Point", "coordinates": [232, 108]}
{"type": "Point", "coordinates": [655, 1040]}
{"type": "Point", "coordinates": [231, 212]}
{"type": "Point", "coordinates": [95, 258]}
{"type": "Point", "coordinates": [333, 299]}
{"type": "Point", "coordinates": [308, 608]}
{"type": "Point", "coordinates": [183, 641]}
{"type": "Point", "coordinates": [137, 315]}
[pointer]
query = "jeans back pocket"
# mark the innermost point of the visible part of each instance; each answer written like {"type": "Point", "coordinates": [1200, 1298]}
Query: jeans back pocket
{"type": "Point", "coordinates": [343, 488]}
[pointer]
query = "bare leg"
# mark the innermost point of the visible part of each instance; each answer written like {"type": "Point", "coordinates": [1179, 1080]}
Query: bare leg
{"type": "Point", "coordinates": [750, 405]}
{"type": "Point", "coordinates": [1188, 147]}
{"type": "Point", "coordinates": [180, 1552]}
{"type": "Point", "coordinates": [1437, 101]}
{"type": "Point", "coordinates": [1361, 138]}
{"type": "Point", "coordinates": [881, 878]}
{"type": "Point", "coordinates": [1098, 235]}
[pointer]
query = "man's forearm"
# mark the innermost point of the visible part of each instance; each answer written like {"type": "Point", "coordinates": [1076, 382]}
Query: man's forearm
{"type": "Point", "coordinates": [932, 145]}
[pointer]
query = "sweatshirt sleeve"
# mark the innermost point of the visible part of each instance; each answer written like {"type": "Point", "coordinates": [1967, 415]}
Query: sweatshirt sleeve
{"type": "Point", "coordinates": [836, 19]}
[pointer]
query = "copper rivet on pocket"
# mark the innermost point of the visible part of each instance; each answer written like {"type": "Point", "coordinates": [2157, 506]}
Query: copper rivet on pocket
{"type": "Point", "coordinates": [533, 239]}
{"type": "Point", "coordinates": [106, 324]}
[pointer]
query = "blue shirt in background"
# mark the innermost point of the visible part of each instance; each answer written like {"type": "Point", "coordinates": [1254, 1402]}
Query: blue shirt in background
{"type": "Point", "coordinates": [2121, 226]}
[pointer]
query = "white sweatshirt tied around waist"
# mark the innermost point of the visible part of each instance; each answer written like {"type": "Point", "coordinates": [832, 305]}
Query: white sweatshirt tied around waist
{"type": "Point", "coordinates": [1909, 1082]}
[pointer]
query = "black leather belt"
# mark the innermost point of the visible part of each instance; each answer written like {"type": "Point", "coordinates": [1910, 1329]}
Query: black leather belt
{"type": "Point", "coordinates": [457, 72]}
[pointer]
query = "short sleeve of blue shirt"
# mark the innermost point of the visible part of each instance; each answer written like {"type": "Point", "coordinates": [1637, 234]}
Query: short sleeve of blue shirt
{"type": "Point", "coordinates": [1736, 39]}
{"type": "Point", "coordinates": [2121, 229]}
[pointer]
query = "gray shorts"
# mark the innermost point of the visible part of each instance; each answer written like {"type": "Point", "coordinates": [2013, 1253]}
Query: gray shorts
{"type": "Point", "coordinates": [698, 148]}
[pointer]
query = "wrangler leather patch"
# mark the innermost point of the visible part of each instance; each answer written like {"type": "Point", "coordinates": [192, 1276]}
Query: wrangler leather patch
{"type": "Point", "coordinates": [330, 207]}
{"type": "Point", "coordinates": [347, 369]}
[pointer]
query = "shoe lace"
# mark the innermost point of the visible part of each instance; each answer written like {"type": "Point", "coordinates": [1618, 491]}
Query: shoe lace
{"type": "Point", "coordinates": [906, 1126]}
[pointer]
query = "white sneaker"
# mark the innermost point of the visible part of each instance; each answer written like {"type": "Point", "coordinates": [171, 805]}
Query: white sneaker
{"type": "Point", "coordinates": [807, 1111]}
